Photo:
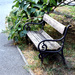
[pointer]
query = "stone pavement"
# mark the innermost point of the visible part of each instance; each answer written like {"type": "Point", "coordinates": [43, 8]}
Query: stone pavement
{"type": "Point", "coordinates": [11, 62]}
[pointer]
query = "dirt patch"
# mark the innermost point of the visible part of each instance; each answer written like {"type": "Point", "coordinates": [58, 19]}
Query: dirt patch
{"type": "Point", "coordinates": [33, 61]}
{"type": "Point", "coordinates": [50, 66]}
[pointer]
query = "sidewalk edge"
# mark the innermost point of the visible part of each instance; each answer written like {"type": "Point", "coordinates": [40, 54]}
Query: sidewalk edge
{"type": "Point", "coordinates": [25, 61]}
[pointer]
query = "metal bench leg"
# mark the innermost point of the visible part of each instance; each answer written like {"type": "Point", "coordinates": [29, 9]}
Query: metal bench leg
{"type": "Point", "coordinates": [27, 39]}
{"type": "Point", "coordinates": [63, 58]}
{"type": "Point", "coordinates": [41, 57]}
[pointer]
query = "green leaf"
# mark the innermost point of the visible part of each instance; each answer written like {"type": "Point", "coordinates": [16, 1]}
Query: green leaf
{"type": "Point", "coordinates": [24, 18]}
{"type": "Point", "coordinates": [26, 6]}
{"type": "Point", "coordinates": [38, 5]}
{"type": "Point", "coordinates": [59, 0]}
{"type": "Point", "coordinates": [38, 13]}
{"type": "Point", "coordinates": [16, 39]}
{"type": "Point", "coordinates": [17, 4]}
{"type": "Point", "coordinates": [14, 1]}
{"type": "Point", "coordinates": [17, 24]}
{"type": "Point", "coordinates": [21, 4]}
{"type": "Point", "coordinates": [53, 2]}
{"type": "Point", "coordinates": [15, 12]}
{"type": "Point", "coordinates": [23, 33]}
{"type": "Point", "coordinates": [9, 37]}
{"type": "Point", "coordinates": [45, 1]}
{"type": "Point", "coordinates": [31, 10]}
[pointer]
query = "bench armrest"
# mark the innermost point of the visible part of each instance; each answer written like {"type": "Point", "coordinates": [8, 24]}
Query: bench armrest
{"type": "Point", "coordinates": [54, 40]}
{"type": "Point", "coordinates": [32, 23]}
{"type": "Point", "coordinates": [44, 46]}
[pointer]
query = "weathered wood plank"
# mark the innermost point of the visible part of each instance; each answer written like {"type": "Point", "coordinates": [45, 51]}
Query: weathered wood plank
{"type": "Point", "coordinates": [32, 38]}
{"type": "Point", "coordinates": [54, 45]}
{"type": "Point", "coordinates": [46, 43]}
{"type": "Point", "coordinates": [37, 37]}
{"type": "Point", "coordinates": [55, 24]}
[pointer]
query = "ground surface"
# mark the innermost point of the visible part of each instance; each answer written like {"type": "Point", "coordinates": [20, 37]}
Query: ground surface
{"type": "Point", "coordinates": [50, 66]}
{"type": "Point", "coordinates": [11, 62]}
{"type": "Point", "coordinates": [54, 66]}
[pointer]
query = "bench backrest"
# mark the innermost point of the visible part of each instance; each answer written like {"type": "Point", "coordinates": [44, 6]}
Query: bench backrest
{"type": "Point", "coordinates": [55, 24]}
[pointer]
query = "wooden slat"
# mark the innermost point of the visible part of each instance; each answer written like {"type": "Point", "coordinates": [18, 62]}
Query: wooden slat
{"type": "Point", "coordinates": [32, 38]}
{"type": "Point", "coordinates": [55, 24]}
{"type": "Point", "coordinates": [47, 42]}
{"type": "Point", "coordinates": [54, 45]}
{"type": "Point", "coordinates": [37, 37]}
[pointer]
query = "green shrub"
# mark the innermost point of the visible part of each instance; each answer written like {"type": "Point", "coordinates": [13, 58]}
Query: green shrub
{"type": "Point", "coordinates": [24, 11]}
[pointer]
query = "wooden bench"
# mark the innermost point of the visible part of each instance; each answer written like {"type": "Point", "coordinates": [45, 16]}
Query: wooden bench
{"type": "Point", "coordinates": [44, 42]}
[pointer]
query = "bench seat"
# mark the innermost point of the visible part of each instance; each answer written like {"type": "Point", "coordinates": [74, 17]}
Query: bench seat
{"type": "Point", "coordinates": [37, 36]}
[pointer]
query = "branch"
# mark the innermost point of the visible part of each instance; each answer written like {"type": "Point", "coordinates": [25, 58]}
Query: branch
{"type": "Point", "coordinates": [49, 12]}
{"type": "Point", "coordinates": [58, 5]}
{"type": "Point", "coordinates": [52, 9]}
{"type": "Point", "coordinates": [32, 18]}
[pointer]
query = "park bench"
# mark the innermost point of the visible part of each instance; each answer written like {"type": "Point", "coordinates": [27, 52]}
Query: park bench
{"type": "Point", "coordinates": [44, 43]}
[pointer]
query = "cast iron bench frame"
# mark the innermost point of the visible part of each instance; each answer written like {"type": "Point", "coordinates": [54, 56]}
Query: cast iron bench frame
{"type": "Point", "coordinates": [44, 51]}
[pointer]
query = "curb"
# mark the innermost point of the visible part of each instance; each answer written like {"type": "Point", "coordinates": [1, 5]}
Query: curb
{"type": "Point", "coordinates": [31, 72]}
